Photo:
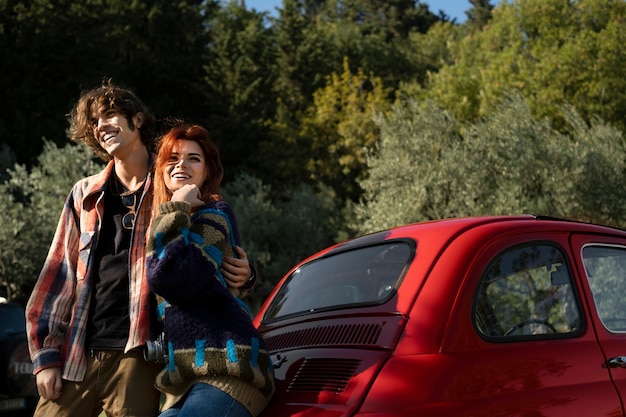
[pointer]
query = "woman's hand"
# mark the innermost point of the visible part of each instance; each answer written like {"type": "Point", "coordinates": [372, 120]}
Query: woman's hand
{"type": "Point", "coordinates": [236, 271]}
{"type": "Point", "coordinates": [189, 193]}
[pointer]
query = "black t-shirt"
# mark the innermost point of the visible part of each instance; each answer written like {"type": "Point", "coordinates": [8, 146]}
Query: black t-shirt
{"type": "Point", "coordinates": [109, 323]}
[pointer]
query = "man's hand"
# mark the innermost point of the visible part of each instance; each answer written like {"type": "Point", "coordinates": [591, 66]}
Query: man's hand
{"type": "Point", "coordinates": [49, 383]}
{"type": "Point", "coordinates": [236, 271]}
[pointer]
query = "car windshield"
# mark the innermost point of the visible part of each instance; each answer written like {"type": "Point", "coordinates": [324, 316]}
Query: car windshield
{"type": "Point", "coordinates": [360, 276]}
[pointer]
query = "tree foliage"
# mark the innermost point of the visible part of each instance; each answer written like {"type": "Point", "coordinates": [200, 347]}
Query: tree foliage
{"type": "Point", "coordinates": [277, 235]}
{"type": "Point", "coordinates": [555, 52]}
{"type": "Point", "coordinates": [239, 75]}
{"type": "Point", "coordinates": [340, 128]}
{"type": "Point", "coordinates": [53, 49]}
{"type": "Point", "coordinates": [287, 111]}
{"type": "Point", "coordinates": [31, 201]}
{"type": "Point", "coordinates": [314, 41]}
{"type": "Point", "coordinates": [479, 15]}
{"type": "Point", "coordinates": [429, 166]}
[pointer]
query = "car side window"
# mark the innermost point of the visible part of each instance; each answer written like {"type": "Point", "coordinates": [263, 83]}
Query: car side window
{"type": "Point", "coordinates": [527, 292]}
{"type": "Point", "coordinates": [605, 267]}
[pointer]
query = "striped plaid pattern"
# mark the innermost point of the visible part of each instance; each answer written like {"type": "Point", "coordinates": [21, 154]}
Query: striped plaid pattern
{"type": "Point", "coordinates": [56, 313]}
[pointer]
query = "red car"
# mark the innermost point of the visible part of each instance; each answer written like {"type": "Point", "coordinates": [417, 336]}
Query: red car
{"type": "Point", "coordinates": [482, 317]}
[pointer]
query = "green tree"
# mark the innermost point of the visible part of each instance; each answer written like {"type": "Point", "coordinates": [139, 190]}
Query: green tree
{"type": "Point", "coordinates": [408, 180]}
{"type": "Point", "coordinates": [374, 34]}
{"type": "Point", "coordinates": [389, 18]}
{"type": "Point", "coordinates": [277, 234]}
{"type": "Point", "coordinates": [31, 201]}
{"type": "Point", "coordinates": [479, 15]}
{"type": "Point", "coordinates": [304, 56]}
{"type": "Point", "coordinates": [53, 49]}
{"type": "Point", "coordinates": [555, 52]}
{"type": "Point", "coordinates": [312, 44]}
{"type": "Point", "coordinates": [430, 166]}
{"type": "Point", "coordinates": [427, 52]}
{"type": "Point", "coordinates": [301, 58]}
{"type": "Point", "coordinates": [340, 129]}
{"type": "Point", "coordinates": [240, 74]}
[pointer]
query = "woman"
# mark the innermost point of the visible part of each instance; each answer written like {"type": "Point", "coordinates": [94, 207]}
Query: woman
{"type": "Point", "coordinates": [217, 363]}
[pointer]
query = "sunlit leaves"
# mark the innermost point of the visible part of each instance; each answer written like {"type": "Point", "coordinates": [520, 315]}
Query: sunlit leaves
{"type": "Point", "coordinates": [555, 52]}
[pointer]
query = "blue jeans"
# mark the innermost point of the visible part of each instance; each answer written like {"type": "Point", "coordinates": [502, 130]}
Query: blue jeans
{"type": "Point", "coordinates": [204, 400]}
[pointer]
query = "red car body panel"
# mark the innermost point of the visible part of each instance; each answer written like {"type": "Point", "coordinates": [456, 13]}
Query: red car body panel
{"type": "Point", "coordinates": [419, 352]}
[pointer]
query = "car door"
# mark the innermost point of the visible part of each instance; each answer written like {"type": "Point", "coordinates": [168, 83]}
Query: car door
{"type": "Point", "coordinates": [534, 351]}
{"type": "Point", "coordinates": [602, 264]}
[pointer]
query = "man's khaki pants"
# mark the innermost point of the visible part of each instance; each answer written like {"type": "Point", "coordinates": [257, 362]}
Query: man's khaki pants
{"type": "Point", "coordinates": [121, 385]}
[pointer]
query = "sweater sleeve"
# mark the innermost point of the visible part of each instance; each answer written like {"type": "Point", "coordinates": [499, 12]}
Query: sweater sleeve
{"type": "Point", "coordinates": [185, 252]}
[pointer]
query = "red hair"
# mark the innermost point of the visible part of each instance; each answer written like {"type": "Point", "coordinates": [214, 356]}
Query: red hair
{"type": "Point", "coordinates": [210, 189]}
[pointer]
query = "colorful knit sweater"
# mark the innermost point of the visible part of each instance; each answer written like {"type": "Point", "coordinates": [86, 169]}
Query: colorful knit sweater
{"type": "Point", "coordinates": [209, 332]}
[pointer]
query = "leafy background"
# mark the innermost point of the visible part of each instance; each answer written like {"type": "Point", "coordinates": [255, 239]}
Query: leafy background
{"type": "Point", "coordinates": [334, 118]}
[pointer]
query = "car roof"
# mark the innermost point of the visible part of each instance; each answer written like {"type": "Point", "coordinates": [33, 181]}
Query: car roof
{"type": "Point", "coordinates": [447, 229]}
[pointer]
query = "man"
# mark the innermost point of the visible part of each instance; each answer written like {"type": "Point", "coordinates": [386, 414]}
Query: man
{"type": "Point", "coordinates": [91, 312]}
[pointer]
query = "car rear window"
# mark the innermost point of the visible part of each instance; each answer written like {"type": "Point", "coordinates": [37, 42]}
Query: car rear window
{"type": "Point", "coordinates": [356, 277]}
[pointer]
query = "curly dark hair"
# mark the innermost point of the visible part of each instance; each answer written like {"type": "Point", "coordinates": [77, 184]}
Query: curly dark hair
{"type": "Point", "coordinates": [100, 100]}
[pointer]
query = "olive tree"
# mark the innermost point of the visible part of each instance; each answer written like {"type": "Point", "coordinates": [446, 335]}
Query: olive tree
{"type": "Point", "coordinates": [31, 203]}
{"type": "Point", "coordinates": [428, 166]}
{"type": "Point", "coordinates": [278, 233]}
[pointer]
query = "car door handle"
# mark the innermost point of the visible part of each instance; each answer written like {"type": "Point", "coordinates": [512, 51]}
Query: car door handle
{"type": "Point", "coordinates": [617, 362]}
